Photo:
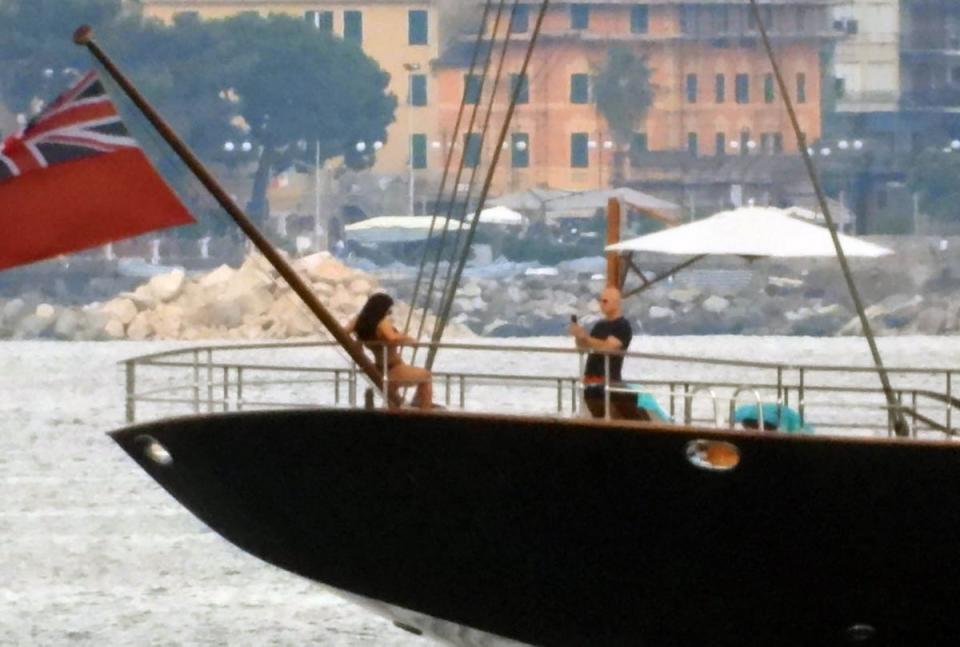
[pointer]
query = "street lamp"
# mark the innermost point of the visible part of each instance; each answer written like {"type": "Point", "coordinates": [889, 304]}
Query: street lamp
{"type": "Point", "coordinates": [410, 68]}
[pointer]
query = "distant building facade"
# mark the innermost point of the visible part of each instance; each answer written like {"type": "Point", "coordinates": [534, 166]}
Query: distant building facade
{"type": "Point", "coordinates": [402, 36]}
{"type": "Point", "coordinates": [715, 94]}
{"type": "Point", "coordinates": [866, 62]}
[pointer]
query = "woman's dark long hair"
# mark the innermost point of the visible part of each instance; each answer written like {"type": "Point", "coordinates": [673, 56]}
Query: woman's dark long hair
{"type": "Point", "coordinates": [372, 313]}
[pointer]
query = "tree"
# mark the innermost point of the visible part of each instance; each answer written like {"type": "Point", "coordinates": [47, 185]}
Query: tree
{"type": "Point", "coordinates": [37, 56]}
{"type": "Point", "coordinates": [935, 178]}
{"type": "Point", "coordinates": [623, 93]}
{"type": "Point", "coordinates": [299, 89]}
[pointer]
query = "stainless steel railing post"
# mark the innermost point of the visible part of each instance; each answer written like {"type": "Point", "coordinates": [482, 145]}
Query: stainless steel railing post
{"type": "Point", "coordinates": [131, 381]}
{"type": "Point", "coordinates": [606, 386]}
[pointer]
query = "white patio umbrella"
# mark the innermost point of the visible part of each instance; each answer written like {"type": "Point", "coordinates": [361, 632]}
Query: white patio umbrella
{"type": "Point", "coordinates": [749, 231]}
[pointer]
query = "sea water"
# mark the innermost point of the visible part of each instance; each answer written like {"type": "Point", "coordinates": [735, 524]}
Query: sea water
{"type": "Point", "coordinates": [93, 552]}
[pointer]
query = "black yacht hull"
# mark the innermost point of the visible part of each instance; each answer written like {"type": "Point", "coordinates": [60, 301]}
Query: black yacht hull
{"type": "Point", "coordinates": [580, 533]}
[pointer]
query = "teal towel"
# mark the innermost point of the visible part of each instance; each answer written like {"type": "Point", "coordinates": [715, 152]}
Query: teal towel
{"type": "Point", "coordinates": [647, 401]}
{"type": "Point", "coordinates": [779, 416]}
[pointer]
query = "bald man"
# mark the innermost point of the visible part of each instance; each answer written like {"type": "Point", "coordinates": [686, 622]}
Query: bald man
{"type": "Point", "coordinates": [612, 333]}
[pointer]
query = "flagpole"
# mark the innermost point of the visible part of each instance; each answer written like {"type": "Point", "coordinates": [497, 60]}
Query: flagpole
{"type": "Point", "coordinates": [83, 36]}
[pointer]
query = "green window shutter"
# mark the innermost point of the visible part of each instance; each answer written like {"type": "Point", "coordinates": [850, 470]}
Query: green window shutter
{"type": "Point", "coordinates": [418, 150]}
{"type": "Point", "coordinates": [579, 88]}
{"type": "Point", "coordinates": [579, 16]}
{"type": "Point", "coordinates": [520, 150]}
{"type": "Point", "coordinates": [579, 151]}
{"type": "Point", "coordinates": [521, 19]}
{"type": "Point", "coordinates": [471, 150]}
{"type": "Point", "coordinates": [417, 27]}
{"type": "Point", "coordinates": [523, 96]}
{"type": "Point", "coordinates": [418, 90]}
{"type": "Point", "coordinates": [471, 88]}
{"type": "Point", "coordinates": [353, 26]}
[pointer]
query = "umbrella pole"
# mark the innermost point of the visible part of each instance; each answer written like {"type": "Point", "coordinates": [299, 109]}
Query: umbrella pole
{"type": "Point", "coordinates": [613, 237]}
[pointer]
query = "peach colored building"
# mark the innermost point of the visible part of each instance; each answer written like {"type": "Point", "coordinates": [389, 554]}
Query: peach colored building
{"type": "Point", "coordinates": [714, 90]}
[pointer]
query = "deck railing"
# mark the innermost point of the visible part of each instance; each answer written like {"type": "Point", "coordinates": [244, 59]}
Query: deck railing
{"type": "Point", "coordinates": [538, 380]}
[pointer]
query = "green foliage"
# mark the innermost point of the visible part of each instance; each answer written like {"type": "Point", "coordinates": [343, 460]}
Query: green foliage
{"type": "Point", "coordinates": [623, 91]}
{"type": "Point", "coordinates": [935, 177]}
{"type": "Point", "coordinates": [37, 56]}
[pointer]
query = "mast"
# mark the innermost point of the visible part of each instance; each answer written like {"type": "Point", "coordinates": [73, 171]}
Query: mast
{"type": "Point", "coordinates": [83, 36]}
{"type": "Point", "coordinates": [899, 424]}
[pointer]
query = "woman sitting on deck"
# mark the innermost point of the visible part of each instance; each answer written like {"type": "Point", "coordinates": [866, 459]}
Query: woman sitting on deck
{"type": "Point", "coordinates": [375, 330]}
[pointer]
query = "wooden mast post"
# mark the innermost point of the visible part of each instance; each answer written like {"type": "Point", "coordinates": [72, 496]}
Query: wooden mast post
{"type": "Point", "coordinates": [613, 237]}
{"type": "Point", "coordinates": [83, 36]}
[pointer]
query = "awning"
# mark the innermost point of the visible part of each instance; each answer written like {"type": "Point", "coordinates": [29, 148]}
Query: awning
{"type": "Point", "coordinates": [396, 229]}
{"type": "Point", "coordinates": [501, 216]}
{"type": "Point", "coordinates": [752, 232]}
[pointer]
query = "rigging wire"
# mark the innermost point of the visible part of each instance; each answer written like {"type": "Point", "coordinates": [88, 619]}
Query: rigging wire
{"type": "Point", "coordinates": [456, 186]}
{"type": "Point", "coordinates": [899, 424]}
{"type": "Point", "coordinates": [449, 162]}
{"type": "Point", "coordinates": [455, 250]}
{"type": "Point", "coordinates": [445, 309]}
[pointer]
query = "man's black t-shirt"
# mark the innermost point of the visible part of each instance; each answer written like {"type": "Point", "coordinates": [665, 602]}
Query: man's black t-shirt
{"type": "Point", "coordinates": [619, 328]}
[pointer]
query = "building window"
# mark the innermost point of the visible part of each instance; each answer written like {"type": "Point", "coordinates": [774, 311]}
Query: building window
{"type": "Point", "coordinates": [417, 30]}
{"type": "Point", "coordinates": [768, 94]}
{"type": "Point", "coordinates": [521, 19]}
{"type": "Point", "coordinates": [721, 88]}
{"type": "Point", "coordinates": [472, 83]}
{"type": "Point", "coordinates": [722, 19]}
{"type": "Point", "coordinates": [578, 151]}
{"type": "Point", "coordinates": [745, 142]}
{"type": "Point", "coordinates": [692, 88]}
{"type": "Point", "coordinates": [766, 143]}
{"type": "Point", "coordinates": [853, 26]}
{"type": "Point", "coordinates": [800, 20]}
{"type": "Point", "coordinates": [638, 146]}
{"type": "Point", "coordinates": [801, 88]}
{"type": "Point", "coordinates": [840, 85]}
{"type": "Point", "coordinates": [751, 19]}
{"type": "Point", "coordinates": [688, 19]}
{"type": "Point", "coordinates": [418, 89]}
{"type": "Point", "coordinates": [579, 16]}
{"type": "Point", "coordinates": [520, 150]}
{"type": "Point", "coordinates": [353, 26]}
{"type": "Point", "coordinates": [471, 149]}
{"type": "Point", "coordinates": [777, 143]}
{"type": "Point", "coordinates": [520, 87]}
{"type": "Point", "coordinates": [720, 144]}
{"type": "Point", "coordinates": [579, 88]}
{"type": "Point", "coordinates": [692, 144]}
{"type": "Point", "coordinates": [639, 19]}
{"type": "Point", "coordinates": [742, 89]}
{"type": "Point", "coordinates": [418, 151]}
{"type": "Point", "coordinates": [320, 20]}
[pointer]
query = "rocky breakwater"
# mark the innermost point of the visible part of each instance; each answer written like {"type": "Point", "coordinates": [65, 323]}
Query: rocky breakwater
{"type": "Point", "coordinates": [730, 297]}
{"type": "Point", "coordinates": [245, 303]}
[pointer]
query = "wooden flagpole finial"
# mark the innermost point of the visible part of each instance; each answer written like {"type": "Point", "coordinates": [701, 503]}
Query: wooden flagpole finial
{"type": "Point", "coordinates": [83, 35]}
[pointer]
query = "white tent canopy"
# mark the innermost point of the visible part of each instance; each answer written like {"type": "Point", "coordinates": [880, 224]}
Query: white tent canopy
{"type": "Point", "coordinates": [396, 229]}
{"type": "Point", "coordinates": [501, 216]}
{"type": "Point", "coordinates": [749, 231]}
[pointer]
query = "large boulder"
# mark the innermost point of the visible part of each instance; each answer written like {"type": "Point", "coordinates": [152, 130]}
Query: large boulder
{"type": "Point", "coordinates": [166, 287]}
{"type": "Point", "coordinates": [123, 310]}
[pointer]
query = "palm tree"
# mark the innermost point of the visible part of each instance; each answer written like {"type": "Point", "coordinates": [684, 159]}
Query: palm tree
{"type": "Point", "coordinates": [623, 92]}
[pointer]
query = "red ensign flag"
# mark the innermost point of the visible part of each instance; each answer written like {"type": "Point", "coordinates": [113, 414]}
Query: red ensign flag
{"type": "Point", "coordinates": [74, 178]}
